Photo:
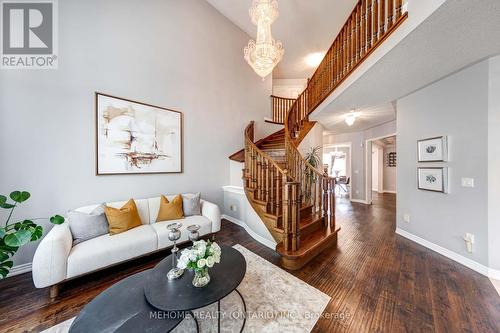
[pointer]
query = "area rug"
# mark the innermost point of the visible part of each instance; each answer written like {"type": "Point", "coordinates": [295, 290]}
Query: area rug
{"type": "Point", "coordinates": [276, 302]}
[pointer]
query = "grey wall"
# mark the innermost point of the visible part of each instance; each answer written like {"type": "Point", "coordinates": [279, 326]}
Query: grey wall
{"type": "Point", "coordinates": [182, 55]}
{"type": "Point", "coordinates": [358, 155]}
{"type": "Point", "coordinates": [494, 163]}
{"type": "Point", "coordinates": [456, 106]}
{"type": "Point", "coordinates": [389, 172]}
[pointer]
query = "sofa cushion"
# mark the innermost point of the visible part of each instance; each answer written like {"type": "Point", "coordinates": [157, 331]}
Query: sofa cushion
{"type": "Point", "coordinates": [85, 226]}
{"type": "Point", "coordinates": [107, 250]}
{"type": "Point", "coordinates": [123, 218]}
{"type": "Point", "coordinates": [170, 209]}
{"type": "Point", "coordinates": [142, 208]}
{"type": "Point", "coordinates": [162, 232]}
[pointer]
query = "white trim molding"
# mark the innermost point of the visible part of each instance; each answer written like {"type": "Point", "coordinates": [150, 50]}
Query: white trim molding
{"type": "Point", "coordinates": [474, 265]}
{"type": "Point", "coordinates": [359, 201]}
{"type": "Point", "coordinates": [255, 236]}
{"type": "Point", "coordinates": [233, 189]}
{"type": "Point", "coordinates": [20, 269]}
{"type": "Point", "coordinates": [386, 191]}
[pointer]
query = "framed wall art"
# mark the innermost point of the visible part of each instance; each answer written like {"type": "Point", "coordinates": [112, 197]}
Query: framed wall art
{"type": "Point", "coordinates": [136, 138]}
{"type": "Point", "coordinates": [433, 149]}
{"type": "Point", "coordinates": [433, 179]}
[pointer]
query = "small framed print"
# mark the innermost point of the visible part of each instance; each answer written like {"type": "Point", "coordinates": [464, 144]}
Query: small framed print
{"type": "Point", "coordinates": [433, 179]}
{"type": "Point", "coordinates": [433, 149]}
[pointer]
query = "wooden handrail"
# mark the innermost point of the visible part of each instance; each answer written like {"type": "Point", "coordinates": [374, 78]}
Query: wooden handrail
{"type": "Point", "coordinates": [280, 107]}
{"type": "Point", "coordinates": [366, 28]}
{"type": "Point", "coordinates": [316, 188]}
{"type": "Point", "coordinates": [272, 186]}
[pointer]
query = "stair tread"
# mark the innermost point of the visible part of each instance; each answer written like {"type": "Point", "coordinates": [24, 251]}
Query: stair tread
{"type": "Point", "coordinates": [308, 220]}
{"type": "Point", "coordinates": [309, 242]}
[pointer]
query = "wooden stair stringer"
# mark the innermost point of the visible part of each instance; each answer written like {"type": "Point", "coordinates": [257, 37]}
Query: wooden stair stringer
{"type": "Point", "coordinates": [268, 222]}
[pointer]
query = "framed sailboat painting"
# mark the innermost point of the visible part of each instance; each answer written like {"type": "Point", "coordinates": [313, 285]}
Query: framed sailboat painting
{"type": "Point", "coordinates": [136, 138]}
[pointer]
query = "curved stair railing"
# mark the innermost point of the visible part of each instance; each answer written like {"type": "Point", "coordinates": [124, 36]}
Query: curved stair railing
{"type": "Point", "coordinates": [317, 189]}
{"type": "Point", "coordinates": [295, 200]}
{"type": "Point", "coordinates": [279, 108]}
{"type": "Point", "coordinates": [272, 190]}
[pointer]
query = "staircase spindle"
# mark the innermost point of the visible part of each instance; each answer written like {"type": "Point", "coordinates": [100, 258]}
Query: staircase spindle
{"type": "Point", "coordinates": [399, 9]}
{"type": "Point", "coordinates": [375, 21]}
{"type": "Point", "coordinates": [369, 14]}
{"type": "Point", "coordinates": [382, 17]}
{"type": "Point", "coordinates": [390, 13]}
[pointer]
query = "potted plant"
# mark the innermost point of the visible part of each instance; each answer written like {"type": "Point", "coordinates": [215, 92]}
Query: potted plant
{"type": "Point", "coordinates": [313, 158]}
{"type": "Point", "coordinates": [13, 235]}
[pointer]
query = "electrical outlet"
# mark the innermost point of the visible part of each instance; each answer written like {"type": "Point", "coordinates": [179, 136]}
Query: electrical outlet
{"type": "Point", "coordinates": [467, 182]}
{"type": "Point", "coordinates": [469, 240]}
{"type": "Point", "coordinates": [406, 218]}
{"type": "Point", "coordinates": [233, 208]}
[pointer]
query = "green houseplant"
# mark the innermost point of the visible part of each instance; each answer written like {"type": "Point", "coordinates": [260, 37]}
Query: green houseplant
{"type": "Point", "coordinates": [13, 235]}
{"type": "Point", "coordinates": [313, 158]}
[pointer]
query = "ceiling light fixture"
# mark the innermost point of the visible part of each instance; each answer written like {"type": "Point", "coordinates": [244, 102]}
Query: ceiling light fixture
{"type": "Point", "coordinates": [314, 59]}
{"type": "Point", "coordinates": [350, 118]}
{"type": "Point", "coordinates": [264, 53]}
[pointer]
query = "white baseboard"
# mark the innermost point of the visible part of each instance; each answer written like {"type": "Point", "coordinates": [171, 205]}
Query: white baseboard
{"type": "Point", "coordinates": [20, 269]}
{"type": "Point", "coordinates": [255, 236]}
{"type": "Point", "coordinates": [494, 274]}
{"type": "Point", "coordinates": [480, 268]}
{"type": "Point", "coordinates": [359, 201]}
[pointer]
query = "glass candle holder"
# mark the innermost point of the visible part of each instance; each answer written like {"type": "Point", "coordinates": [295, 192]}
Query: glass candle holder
{"type": "Point", "coordinates": [174, 235]}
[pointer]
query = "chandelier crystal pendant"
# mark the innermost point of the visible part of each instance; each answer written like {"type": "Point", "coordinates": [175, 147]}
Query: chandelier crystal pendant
{"type": "Point", "coordinates": [264, 53]}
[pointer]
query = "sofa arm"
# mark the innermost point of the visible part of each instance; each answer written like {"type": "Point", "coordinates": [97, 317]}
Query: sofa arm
{"type": "Point", "coordinates": [212, 212]}
{"type": "Point", "coordinates": [51, 256]}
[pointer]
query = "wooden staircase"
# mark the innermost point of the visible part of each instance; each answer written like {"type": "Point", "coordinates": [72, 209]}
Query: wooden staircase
{"type": "Point", "coordinates": [300, 221]}
{"type": "Point", "coordinates": [296, 201]}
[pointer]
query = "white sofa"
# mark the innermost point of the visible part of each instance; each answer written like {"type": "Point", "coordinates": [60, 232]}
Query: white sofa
{"type": "Point", "coordinates": [56, 260]}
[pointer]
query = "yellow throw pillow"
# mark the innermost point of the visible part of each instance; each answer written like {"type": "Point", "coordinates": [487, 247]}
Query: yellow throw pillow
{"type": "Point", "coordinates": [122, 219]}
{"type": "Point", "coordinates": [170, 210]}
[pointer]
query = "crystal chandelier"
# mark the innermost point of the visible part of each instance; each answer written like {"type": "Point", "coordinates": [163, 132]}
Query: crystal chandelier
{"type": "Point", "coordinates": [265, 53]}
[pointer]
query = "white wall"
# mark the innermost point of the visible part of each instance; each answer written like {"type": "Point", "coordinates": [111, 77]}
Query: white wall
{"type": "Point", "coordinates": [289, 88]}
{"type": "Point", "coordinates": [389, 172]}
{"type": "Point", "coordinates": [494, 164]}
{"type": "Point", "coordinates": [182, 55]}
{"type": "Point", "coordinates": [313, 139]}
{"type": "Point", "coordinates": [375, 167]}
{"type": "Point", "coordinates": [358, 155]}
{"type": "Point", "coordinates": [456, 106]}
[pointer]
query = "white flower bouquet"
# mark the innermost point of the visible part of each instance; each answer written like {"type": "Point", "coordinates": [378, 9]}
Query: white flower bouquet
{"type": "Point", "coordinates": [199, 258]}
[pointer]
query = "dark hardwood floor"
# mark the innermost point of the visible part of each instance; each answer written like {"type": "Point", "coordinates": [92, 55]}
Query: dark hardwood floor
{"type": "Point", "coordinates": [378, 281]}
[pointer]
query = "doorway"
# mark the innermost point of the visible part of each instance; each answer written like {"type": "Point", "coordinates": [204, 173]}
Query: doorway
{"type": "Point", "coordinates": [338, 159]}
{"type": "Point", "coordinates": [381, 164]}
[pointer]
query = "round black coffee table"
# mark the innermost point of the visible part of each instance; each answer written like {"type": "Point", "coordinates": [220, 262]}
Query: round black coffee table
{"type": "Point", "coordinates": [181, 296]}
{"type": "Point", "coordinates": [123, 308]}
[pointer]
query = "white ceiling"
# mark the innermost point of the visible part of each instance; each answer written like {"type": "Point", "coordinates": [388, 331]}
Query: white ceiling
{"type": "Point", "coordinates": [456, 35]}
{"type": "Point", "coordinates": [385, 142]}
{"type": "Point", "coordinates": [304, 27]}
{"type": "Point", "coordinates": [365, 118]}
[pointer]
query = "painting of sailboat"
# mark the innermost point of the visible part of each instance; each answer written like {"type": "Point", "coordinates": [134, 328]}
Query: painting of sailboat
{"type": "Point", "coordinates": [135, 138]}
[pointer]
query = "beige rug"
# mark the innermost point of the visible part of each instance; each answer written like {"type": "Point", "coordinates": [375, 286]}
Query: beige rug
{"type": "Point", "coordinates": [276, 302]}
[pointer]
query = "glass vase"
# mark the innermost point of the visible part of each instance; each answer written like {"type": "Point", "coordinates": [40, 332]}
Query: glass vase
{"type": "Point", "coordinates": [201, 278]}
